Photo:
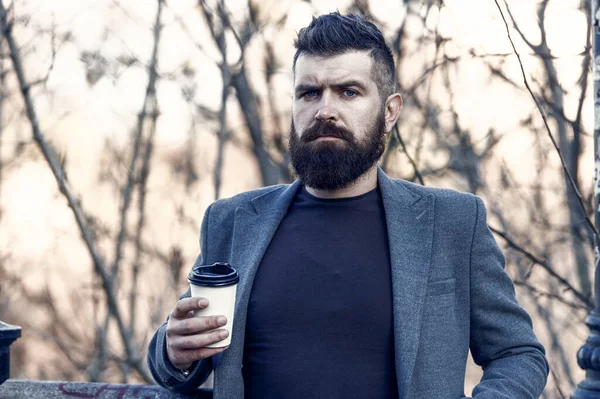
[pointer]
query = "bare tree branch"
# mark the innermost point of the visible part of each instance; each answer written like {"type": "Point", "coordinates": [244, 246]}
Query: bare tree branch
{"type": "Point", "coordinates": [98, 363]}
{"type": "Point", "coordinates": [562, 160]}
{"type": "Point", "coordinates": [557, 383]}
{"type": "Point", "coordinates": [584, 299]}
{"type": "Point", "coordinates": [222, 133]}
{"type": "Point", "coordinates": [576, 124]}
{"type": "Point", "coordinates": [142, 190]}
{"type": "Point", "coordinates": [247, 100]}
{"type": "Point", "coordinates": [248, 103]}
{"type": "Point", "coordinates": [519, 31]}
{"type": "Point", "coordinates": [541, 293]}
{"type": "Point", "coordinates": [412, 162]}
{"type": "Point", "coordinates": [585, 65]}
{"type": "Point", "coordinates": [569, 149]}
{"type": "Point", "coordinates": [74, 203]}
{"type": "Point", "coordinates": [188, 33]}
{"type": "Point", "coordinates": [279, 128]}
{"type": "Point", "coordinates": [150, 108]}
{"type": "Point", "coordinates": [149, 103]}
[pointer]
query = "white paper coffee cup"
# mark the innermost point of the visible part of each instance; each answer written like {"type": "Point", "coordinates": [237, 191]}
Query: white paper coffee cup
{"type": "Point", "coordinates": [218, 284]}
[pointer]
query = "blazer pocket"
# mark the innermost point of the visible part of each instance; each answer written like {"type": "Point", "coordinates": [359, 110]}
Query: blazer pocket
{"type": "Point", "coordinates": [441, 287]}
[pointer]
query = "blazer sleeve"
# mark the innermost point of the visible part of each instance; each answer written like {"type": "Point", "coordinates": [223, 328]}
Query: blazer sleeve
{"type": "Point", "coordinates": [502, 341]}
{"type": "Point", "coordinates": [165, 374]}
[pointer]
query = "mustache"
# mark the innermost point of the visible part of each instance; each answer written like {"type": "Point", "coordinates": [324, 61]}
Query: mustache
{"type": "Point", "coordinates": [327, 129]}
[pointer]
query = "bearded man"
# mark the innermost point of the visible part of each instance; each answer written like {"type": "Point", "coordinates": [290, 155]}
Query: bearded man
{"type": "Point", "coordinates": [352, 284]}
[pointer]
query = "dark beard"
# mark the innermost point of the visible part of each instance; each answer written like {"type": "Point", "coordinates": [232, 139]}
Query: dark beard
{"type": "Point", "coordinates": [332, 165]}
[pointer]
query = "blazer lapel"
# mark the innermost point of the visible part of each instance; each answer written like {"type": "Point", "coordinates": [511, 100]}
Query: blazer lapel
{"type": "Point", "coordinates": [255, 224]}
{"type": "Point", "coordinates": [410, 221]}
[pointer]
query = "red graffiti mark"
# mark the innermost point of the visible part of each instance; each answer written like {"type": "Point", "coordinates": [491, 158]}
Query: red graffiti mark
{"type": "Point", "coordinates": [88, 391]}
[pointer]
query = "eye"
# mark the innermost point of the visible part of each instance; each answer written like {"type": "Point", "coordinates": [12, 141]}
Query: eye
{"type": "Point", "coordinates": [350, 93]}
{"type": "Point", "coordinates": [310, 93]}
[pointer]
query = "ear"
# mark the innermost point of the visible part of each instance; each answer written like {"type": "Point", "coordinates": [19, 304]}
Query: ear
{"type": "Point", "coordinates": [393, 105]}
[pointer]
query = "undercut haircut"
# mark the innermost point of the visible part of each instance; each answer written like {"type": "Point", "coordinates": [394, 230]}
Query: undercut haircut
{"type": "Point", "coordinates": [334, 34]}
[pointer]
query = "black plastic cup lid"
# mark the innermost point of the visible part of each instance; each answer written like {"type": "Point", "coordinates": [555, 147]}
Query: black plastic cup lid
{"type": "Point", "coordinates": [217, 275]}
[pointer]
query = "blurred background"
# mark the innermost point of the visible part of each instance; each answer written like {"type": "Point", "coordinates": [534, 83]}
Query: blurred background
{"type": "Point", "coordinates": [137, 114]}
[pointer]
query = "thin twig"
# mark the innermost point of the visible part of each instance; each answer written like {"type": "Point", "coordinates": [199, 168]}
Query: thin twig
{"type": "Point", "coordinates": [152, 103]}
{"type": "Point", "coordinates": [149, 100]}
{"type": "Point", "coordinates": [188, 33]}
{"type": "Point", "coordinates": [144, 173]}
{"type": "Point", "coordinates": [576, 124]}
{"type": "Point", "coordinates": [557, 383]}
{"type": "Point", "coordinates": [559, 298]}
{"type": "Point", "coordinates": [562, 160]}
{"type": "Point", "coordinates": [584, 299]}
{"type": "Point", "coordinates": [412, 162]}
{"type": "Point", "coordinates": [429, 71]}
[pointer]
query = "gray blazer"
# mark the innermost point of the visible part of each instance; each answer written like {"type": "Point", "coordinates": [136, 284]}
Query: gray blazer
{"type": "Point", "coordinates": [450, 290]}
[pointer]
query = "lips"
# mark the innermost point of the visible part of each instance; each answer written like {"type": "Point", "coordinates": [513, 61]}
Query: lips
{"type": "Point", "coordinates": [323, 131]}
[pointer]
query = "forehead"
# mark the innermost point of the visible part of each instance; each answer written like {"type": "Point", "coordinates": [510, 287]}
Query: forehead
{"type": "Point", "coordinates": [355, 65]}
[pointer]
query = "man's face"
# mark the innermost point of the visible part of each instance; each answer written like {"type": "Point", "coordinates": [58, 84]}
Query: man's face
{"type": "Point", "coordinates": [338, 120]}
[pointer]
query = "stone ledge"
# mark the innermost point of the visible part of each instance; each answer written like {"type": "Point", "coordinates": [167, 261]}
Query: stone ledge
{"type": "Point", "coordinates": [32, 389]}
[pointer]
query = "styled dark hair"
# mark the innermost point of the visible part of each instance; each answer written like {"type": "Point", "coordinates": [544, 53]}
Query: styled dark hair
{"type": "Point", "coordinates": [334, 34]}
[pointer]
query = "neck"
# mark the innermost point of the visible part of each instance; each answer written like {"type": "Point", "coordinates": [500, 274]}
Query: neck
{"type": "Point", "coordinates": [362, 185]}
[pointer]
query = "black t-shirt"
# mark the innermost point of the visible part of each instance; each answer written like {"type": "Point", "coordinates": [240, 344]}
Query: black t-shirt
{"type": "Point", "coordinates": [320, 321]}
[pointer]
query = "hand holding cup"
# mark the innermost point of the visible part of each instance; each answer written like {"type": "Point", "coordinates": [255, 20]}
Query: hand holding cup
{"type": "Point", "coordinates": [188, 335]}
{"type": "Point", "coordinates": [194, 329]}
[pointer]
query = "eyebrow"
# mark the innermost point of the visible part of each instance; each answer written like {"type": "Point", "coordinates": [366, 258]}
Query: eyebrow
{"type": "Point", "coordinates": [348, 83]}
{"type": "Point", "coordinates": [305, 87]}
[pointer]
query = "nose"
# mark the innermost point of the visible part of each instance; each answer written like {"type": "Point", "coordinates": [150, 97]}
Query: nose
{"type": "Point", "coordinates": [326, 111]}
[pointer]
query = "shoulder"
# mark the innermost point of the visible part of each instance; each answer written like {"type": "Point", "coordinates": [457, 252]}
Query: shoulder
{"type": "Point", "coordinates": [449, 204]}
{"type": "Point", "coordinates": [441, 195]}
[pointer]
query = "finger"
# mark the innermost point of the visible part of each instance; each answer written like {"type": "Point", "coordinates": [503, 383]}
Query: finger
{"type": "Point", "coordinates": [195, 325]}
{"type": "Point", "coordinates": [190, 356]}
{"type": "Point", "coordinates": [197, 341]}
{"type": "Point", "coordinates": [186, 305]}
